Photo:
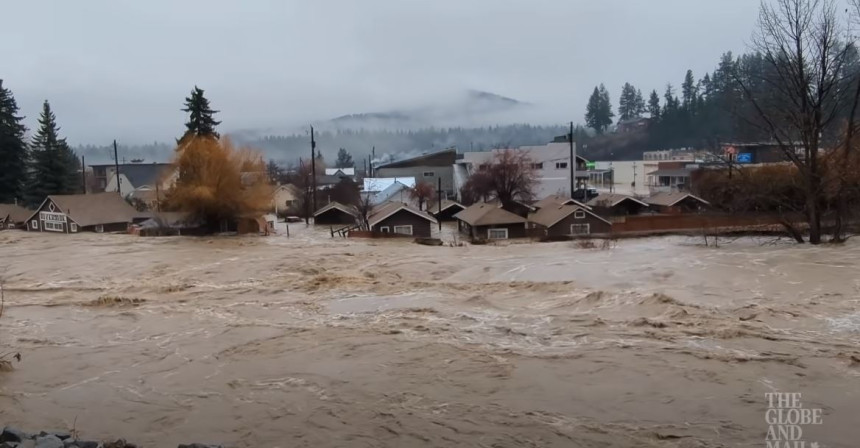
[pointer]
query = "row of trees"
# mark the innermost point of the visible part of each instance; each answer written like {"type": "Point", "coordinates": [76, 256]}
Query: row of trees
{"type": "Point", "coordinates": [801, 91]}
{"type": "Point", "coordinates": [43, 166]}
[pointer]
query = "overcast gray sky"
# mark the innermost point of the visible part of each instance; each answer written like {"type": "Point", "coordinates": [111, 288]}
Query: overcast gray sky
{"type": "Point", "coordinates": [120, 69]}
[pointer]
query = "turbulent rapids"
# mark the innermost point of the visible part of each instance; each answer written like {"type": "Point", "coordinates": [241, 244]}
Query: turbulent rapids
{"type": "Point", "coordinates": [313, 341]}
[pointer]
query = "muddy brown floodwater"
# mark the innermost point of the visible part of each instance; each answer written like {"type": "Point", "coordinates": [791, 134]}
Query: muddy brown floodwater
{"type": "Point", "coordinates": [315, 342]}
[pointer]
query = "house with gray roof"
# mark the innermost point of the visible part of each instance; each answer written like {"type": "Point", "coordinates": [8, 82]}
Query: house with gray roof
{"type": "Point", "coordinates": [73, 213]}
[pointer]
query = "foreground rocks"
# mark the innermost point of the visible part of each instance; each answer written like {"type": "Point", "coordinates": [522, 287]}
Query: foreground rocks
{"type": "Point", "coordinates": [15, 438]}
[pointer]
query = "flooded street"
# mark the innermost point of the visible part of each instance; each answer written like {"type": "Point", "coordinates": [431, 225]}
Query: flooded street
{"type": "Point", "coordinates": [311, 341]}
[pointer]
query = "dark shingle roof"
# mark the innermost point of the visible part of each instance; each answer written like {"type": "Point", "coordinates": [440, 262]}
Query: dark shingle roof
{"type": "Point", "coordinates": [483, 214]}
{"type": "Point", "coordinates": [93, 209]}
{"type": "Point", "coordinates": [15, 213]}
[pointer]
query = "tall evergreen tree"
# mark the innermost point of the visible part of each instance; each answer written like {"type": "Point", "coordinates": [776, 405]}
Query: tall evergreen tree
{"type": "Point", "coordinates": [605, 113]}
{"type": "Point", "coordinates": [200, 115]}
{"type": "Point", "coordinates": [54, 165]}
{"type": "Point", "coordinates": [654, 105]}
{"type": "Point", "coordinates": [13, 149]}
{"type": "Point", "coordinates": [688, 90]}
{"type": "Point", "coordinates": [344, 159]}
{"type": "Point", "coordinates": [628, 107]}
{"type": "Point", "coordinates": [640, 104]}
{"type": "Point", "coordinates": [592, 111]}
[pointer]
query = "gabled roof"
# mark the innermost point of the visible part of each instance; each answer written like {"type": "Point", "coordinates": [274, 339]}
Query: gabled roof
{"type": "Point", "coordinates": [15, 213]}
{"type": "Point", "coordinates": [92, 209]}
{"type": "Point", "coordinates": [446, 204]}
{"type": "Point", "coordinates": [388, 209]}
{"type": "Point", "coordinates": [558, 199]}
{"type": "Point", "coordinates": [388, 193]}
{"type": "Point", "coordinates": [340, 171]}
{"type": "Point", "coordinates": [348, 209]}
{"type": "Point", "coordinates": [484, 214]}
{"type": "Point", "coordinates": [144, 173]}
{"type": "Point", "coordinates": [373, 184]}
{"type": "Point", "coordinates": [550, 216]}
{"type": "Point", "coordinates": [612, 199]}
{"type": "Point", "coordinates": [445, 157]}
{"type": "Point", "coordinates": [670, 199]}
{"type": "Point", "coordinates": [292, 189]}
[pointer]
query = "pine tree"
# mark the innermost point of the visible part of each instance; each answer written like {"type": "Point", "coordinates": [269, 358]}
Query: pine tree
{"type": "Point", "coordinates": [13, 149]}
{"type": "Point", "coordinates": [54, 165]}
{"type": "Point", "coordinates": [344, 159]}
{"type": "Point", "coordinates": [592, 111]}
{"type": "Point", "coordinates": [200, 121]}
{"type": "Point", "coordinates": [606, 113]}
{"type": "Point", "coordinates": [688, 89]}
{"type": "Point", "coordinates": [639, 108]}
{"type": "Point", "coordinates": [654, 105]}
{"type": "Point", "coordinates": [627, 102]}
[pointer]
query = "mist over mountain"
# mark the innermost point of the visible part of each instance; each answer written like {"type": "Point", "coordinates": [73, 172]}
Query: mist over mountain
{"type": "Point", "coordinates": [471, 119]}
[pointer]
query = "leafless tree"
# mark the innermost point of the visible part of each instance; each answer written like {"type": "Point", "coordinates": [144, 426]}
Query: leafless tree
{"type": "Point", "coordinates": [364, 207]}
{"type": "Point", "coordinates": [805, 51]}
{"type": "Point", "coordinates": [510, 176]}
{"type": "Point", "coordinates": [423, 193]}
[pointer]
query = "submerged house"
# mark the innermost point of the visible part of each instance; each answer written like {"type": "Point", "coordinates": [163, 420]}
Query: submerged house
{"type": "Point", "coordinates": [568, 220]}
{"type": "Point", "coordinates": [489, 221]}
{"type": "Point", "coordinates": [100, 212]}
{"type": "Point", "coordinates": [13, 216]}
{"type": "Point", "coordinates": [677, 202]}
{"type": "Point", "coordinates": [336, 213]}
{"type": "Point", "coordinates": [402, 219]}
{"type": "Point", "coordinates": [447, 211]}
{"type": "Point", "coordinates": [613, 204]}
{"type": "Point", "coordinates": [557, 199]}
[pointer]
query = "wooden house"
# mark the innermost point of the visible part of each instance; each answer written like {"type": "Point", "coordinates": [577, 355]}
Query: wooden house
{"type": "Point", "coordinates": [677, 202]}
{"type": "Point", "coordinates": [489, 221]}
{"type": "Point", "coordinates": [336, 213]}
{"type": "Point", "coordinates": [13, 216]}
{"type": "Point", "coordinates": [613, 204]}
{"type": "Point", "coordinates": [568, 220]}
{"type": "Point", "coordinates": [100, 212]}
{"type": "Point", "coordinates": [447, 211]}
{"type": "Point", "coordinates": [402, 219]}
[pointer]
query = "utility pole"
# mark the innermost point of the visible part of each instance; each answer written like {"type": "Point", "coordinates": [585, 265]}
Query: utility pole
{"type": "Point", "coordinates": [314, 168]}
{"type": "Point", "coordinates": [439, 195]}
{"type": "Point", "coordinates": [372, 158]}
{"type": "Point", "coordinates": [307, 201]}
{"type": "Point", "coordinates": [572, 162]}
{"type": "Point", "coordinates": [116, 167]}
{"type": "Point", "coordinates": [84, 174]}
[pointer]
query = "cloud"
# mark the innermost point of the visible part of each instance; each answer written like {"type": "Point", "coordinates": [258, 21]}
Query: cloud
{"type": "Point", "coordinates": [121, 69]}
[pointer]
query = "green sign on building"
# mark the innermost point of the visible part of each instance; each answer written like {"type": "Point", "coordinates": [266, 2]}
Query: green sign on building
{"type": "Point", "coordinates": [590, 165]}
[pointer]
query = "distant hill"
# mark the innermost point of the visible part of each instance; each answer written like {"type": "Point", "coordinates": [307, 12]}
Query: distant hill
{"type": "Point", "coordinates": [471, 108]}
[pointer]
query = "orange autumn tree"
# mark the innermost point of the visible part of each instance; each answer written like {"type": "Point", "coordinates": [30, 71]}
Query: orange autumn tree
{"type": "Point", "coordinates": [218, 183]}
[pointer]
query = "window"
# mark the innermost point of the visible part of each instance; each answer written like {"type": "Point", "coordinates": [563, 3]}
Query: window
{"type": "Point", "coordinates": [34, 224]}
{"type": "Point", "coordinates": [52, 226]}
{"type": "Point", "coordinates": [385, 229]}
{"type": "Point", "coordinates": [429, 174]}
{"type": "Point", "coordinates": [497, 234]}
{"type": "Point", "coordinates": [579, 214]}
{"type": "Point", "coordinates": [537, 166]}
{"type": "Point", "coordinates": [560, 165]}
{"type": "Point", "coordinates": [100, 228]}
{"type": "Point", "coordinates": [73, 227]}
{"type": "Point", "coordinates": [403, 230]}
{"type": "Point", "coordinates": [580, 229]}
